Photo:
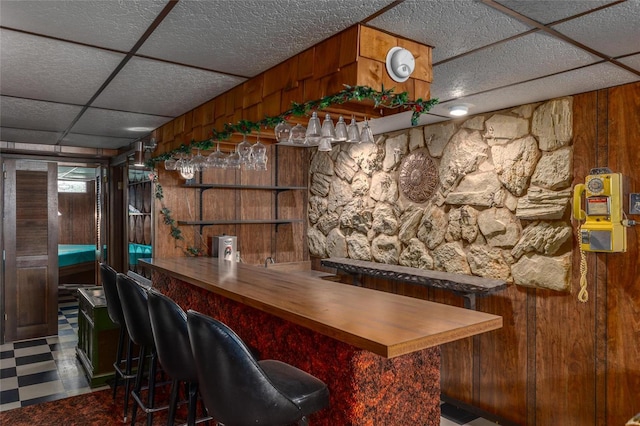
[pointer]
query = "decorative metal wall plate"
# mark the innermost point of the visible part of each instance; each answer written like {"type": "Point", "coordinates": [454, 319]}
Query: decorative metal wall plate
{"type": "Point", "coordinates": [418, 177]}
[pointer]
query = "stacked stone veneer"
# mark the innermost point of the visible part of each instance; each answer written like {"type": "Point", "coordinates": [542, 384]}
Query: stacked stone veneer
{"type": "Point", "coordinates": [499, 211]}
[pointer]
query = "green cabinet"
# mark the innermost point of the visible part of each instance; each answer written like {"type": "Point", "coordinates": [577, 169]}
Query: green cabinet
{"type": "Point", "coordinates": [97, 336]}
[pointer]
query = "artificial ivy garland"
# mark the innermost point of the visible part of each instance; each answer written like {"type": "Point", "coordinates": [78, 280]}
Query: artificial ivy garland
{"type": "Point", "coordinates": [381, 99]}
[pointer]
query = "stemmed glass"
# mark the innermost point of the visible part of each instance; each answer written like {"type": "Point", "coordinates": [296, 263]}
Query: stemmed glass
{"type": "Point", "coordinates": [199, 162]}
{"type": "Point", "coordinates": [244, 149]}
{"type": "Point", "coordinates": [366, 135]}
{"type": "Point", "coordinates": [341, 130]}
{"type": "Point", "coordinates": [234, 160]}
{"type": "Point", "coordinates": [259, 152]}
{"type": "Point", "coordinates": [185, 167]}
{"type": "Point", "coordinates": [353, 134]}
{"type": "Point", "coordinates": [313, 129]}
{"type": "Point", "coordinates": [217, 159]}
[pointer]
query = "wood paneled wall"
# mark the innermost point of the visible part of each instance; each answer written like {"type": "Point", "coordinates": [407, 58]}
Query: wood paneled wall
{"type": "Point", "coordinates": [78, 216]}
{"type": "Point", "coordinates": [558, 361]}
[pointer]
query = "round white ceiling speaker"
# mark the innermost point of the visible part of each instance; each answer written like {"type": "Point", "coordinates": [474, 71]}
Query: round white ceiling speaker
{"type": "Point", "coordinates": [400, 64]}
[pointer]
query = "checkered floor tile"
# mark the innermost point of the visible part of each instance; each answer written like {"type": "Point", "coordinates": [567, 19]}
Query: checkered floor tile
{"type": "Point", "coordinates": [44, 369]}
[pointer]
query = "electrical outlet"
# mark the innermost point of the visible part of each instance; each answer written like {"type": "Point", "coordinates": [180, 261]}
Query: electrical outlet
{"type": "Point", "coordinates": [238, 258]}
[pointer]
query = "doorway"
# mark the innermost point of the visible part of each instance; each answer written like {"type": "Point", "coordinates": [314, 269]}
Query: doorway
{"type": "Point", "coordinates": [52, 234]}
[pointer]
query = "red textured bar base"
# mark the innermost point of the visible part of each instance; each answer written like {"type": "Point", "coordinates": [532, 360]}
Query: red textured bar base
{"type": "Point", "coordinates": [366, 389]}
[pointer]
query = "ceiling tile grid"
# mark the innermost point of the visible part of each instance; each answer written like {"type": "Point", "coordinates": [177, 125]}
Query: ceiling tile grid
{"type": "Point", "coordinates": [247, 37]}
{"type": "Point", "coordinates": [50, 70]}
{"type": "Point", "coordinates": [29, 136]}
{"type": "Point", "coordinates": [548, 11]}
{"type": "Point", "coordinates": [22, 113]}
{"type": "Point", "coordinates": [91, 141]}
{"type": "Point", "coordinates": [450, 27]}
{"type": "Point", "coordinates": [622, 22]}
{"type": "Point", "coordinates": [524, 58]}
{"type": "Point", "coordinates": [160, 88]}
{"type": "Point", "coordinates": [109, 24]}
{"type": "Point", "coordinates": [98, 121]}
{"type": "Point", "coordinates": [55, 55]}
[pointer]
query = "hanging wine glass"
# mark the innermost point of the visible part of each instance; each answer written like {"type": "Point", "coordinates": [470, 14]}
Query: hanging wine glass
{"type": "Point", "coordinates": [234, 160]}
{"type": "Point", "coordinates": [199, 162]}
{"type": "Point", "coordinates": [327, 130]}
{"type": "Point", "coordinates": [313, 130]}
{"type": "Point", "coordinates": [244, 149]}
{"type": "Point", "coordinates": [282, 131]}
{"type": "Point", "coordinates": [170, 163]}
{"type": "Point", "coordinates": [217, 159]}
{"type": "Point", "coordinates": [298, 134]}
{"type": "Point", "coordinates": [353, 133]}
{"type": "Point", "coordinates": [341, 130]}
{"type": "Point", "coordinates": [260, 155]}
{"type": "Point", "coordinates": [366, 135]}
{"type": "Point", "coordinates": [185, 166]}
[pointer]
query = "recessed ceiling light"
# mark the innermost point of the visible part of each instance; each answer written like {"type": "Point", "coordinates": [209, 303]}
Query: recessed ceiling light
{"type": "Point", "coordinates": [458, 110]}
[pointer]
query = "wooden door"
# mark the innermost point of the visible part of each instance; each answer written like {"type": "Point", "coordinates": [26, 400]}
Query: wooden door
{"type": "Point", "coordinates": [30, 243]}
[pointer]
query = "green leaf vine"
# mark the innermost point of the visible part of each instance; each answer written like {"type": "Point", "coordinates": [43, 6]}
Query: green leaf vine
{"type": "Point", "coordinates": [381, 99]}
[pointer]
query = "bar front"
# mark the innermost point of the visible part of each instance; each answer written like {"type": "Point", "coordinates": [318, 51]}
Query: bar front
{"type": "Point", "coordinates": [377, 352]}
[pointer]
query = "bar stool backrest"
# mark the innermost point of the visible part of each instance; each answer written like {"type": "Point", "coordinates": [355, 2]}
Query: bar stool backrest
{"type": "Point", "coordinates": [169, 326]}
{"type": "Point", "coordinates": [108, 276]}
{"type": "Point", "coordinates": [234, 388]}
{"type": "Point", "coordinates": [133, 299]}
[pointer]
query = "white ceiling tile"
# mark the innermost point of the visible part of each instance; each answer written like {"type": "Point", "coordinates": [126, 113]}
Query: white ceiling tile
{"type": "Point", "coordinates": [159, 88]}
{"type": "Point", "coordinates": [248, 37]}
{"type": "Point", "coordinates": [90, 141]}
{"type": "Point", "coordinates": [97, 121]}
{"type": "Point", "coordinates": [521, 59]}
{"type": "Point", "coordinates": [451, 27]}
{"type": "Point", "coordinates": [38, 115]}
{"type": "Point", "coordinates": [586, 79]}
{"type": "Point", "coordinates": [28, 136]}
{"type": "Point", "coordinates": [621, 23]}
{"type": "Point", "coordinates": [632, 61]}
{"type": "Point", "coordinates": [112, 24]}
{"type": "Point", "coordinates": [50, 70]}
{"type": "Point", "coordinates": [547, 11]}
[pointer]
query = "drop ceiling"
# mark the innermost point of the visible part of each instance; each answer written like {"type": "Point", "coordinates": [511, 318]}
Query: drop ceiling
{"type": "Point", "coordinates": [103, 74]}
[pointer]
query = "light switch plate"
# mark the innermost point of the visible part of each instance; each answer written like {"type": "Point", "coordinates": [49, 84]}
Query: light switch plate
{"type": "Point", "coordinates": [634, 203]}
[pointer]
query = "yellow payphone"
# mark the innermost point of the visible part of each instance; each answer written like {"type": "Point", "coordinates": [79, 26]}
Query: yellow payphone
{"type": "Point", "coordinates": [603, 229]}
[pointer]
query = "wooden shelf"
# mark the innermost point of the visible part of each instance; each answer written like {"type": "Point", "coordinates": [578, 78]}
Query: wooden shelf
{"type": "Point", "coordinates": [238, 222]}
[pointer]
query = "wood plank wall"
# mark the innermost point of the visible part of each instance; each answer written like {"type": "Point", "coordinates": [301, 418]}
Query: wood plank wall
{"type": "Point", "coordinates": [78, 216]}
{"type": "Point", "coordinates": [558, 361]}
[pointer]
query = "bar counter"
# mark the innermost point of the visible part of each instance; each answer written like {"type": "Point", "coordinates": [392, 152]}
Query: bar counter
{"type": "Point", "coordinates": [378, 352]}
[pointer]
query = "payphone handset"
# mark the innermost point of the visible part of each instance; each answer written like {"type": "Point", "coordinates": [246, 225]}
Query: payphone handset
{"type": "Point", "coordinates": [603, 229]}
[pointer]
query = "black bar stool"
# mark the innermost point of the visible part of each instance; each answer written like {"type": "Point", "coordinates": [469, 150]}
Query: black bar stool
{"type": "Point", "coordinates": [122, 366]}
{"type": "Point", "coordinates": [133, 299]}
{"type": "Point", "coordinates": [239, 390]}
{"type": "Point", "coordinates": [169, 326]}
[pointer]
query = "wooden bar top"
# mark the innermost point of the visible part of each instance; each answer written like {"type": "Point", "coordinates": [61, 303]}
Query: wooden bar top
{"type": "Point", "coordinates": [386, 324]}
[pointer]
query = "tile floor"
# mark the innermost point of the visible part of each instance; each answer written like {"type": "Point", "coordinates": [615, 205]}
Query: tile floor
{"type": "Point", "coordinates": [46, 369]}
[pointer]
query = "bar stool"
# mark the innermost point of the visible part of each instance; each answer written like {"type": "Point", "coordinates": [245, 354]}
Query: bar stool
{"type": "Point", "coordinates": [133, 299]}
{"type": "Point", "coordinates": [108, 277]}
{"type": "Point", "coordinates": [239, 390]}
{"type": "Point", "coordinates": [169, 326]}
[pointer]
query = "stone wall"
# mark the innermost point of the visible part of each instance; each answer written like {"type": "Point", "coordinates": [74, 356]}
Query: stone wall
{"type": "Point", "coordinates": [499, 207]}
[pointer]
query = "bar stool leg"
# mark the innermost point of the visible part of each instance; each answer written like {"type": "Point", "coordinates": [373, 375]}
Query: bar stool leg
{"type": "Point", "coordinates": [127, 381]}
{"type": "Point", "coordinates": [118, 360]}
{"type": "Point", "coordinates": [173, 401]}
{"type": "Point", "coordinates": [141, 362]}
{"type": "Point", "coordinates": [193, 404]}
{"type": "Point", "coordinates": [152, 386]}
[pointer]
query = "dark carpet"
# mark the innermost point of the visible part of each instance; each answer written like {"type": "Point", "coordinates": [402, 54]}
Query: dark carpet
{"type": "Point", "coordinates": [96, 408]}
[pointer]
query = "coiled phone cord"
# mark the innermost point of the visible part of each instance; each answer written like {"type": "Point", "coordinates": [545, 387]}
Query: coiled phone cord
{"type": "Point", "coordinates": [583, 295]}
